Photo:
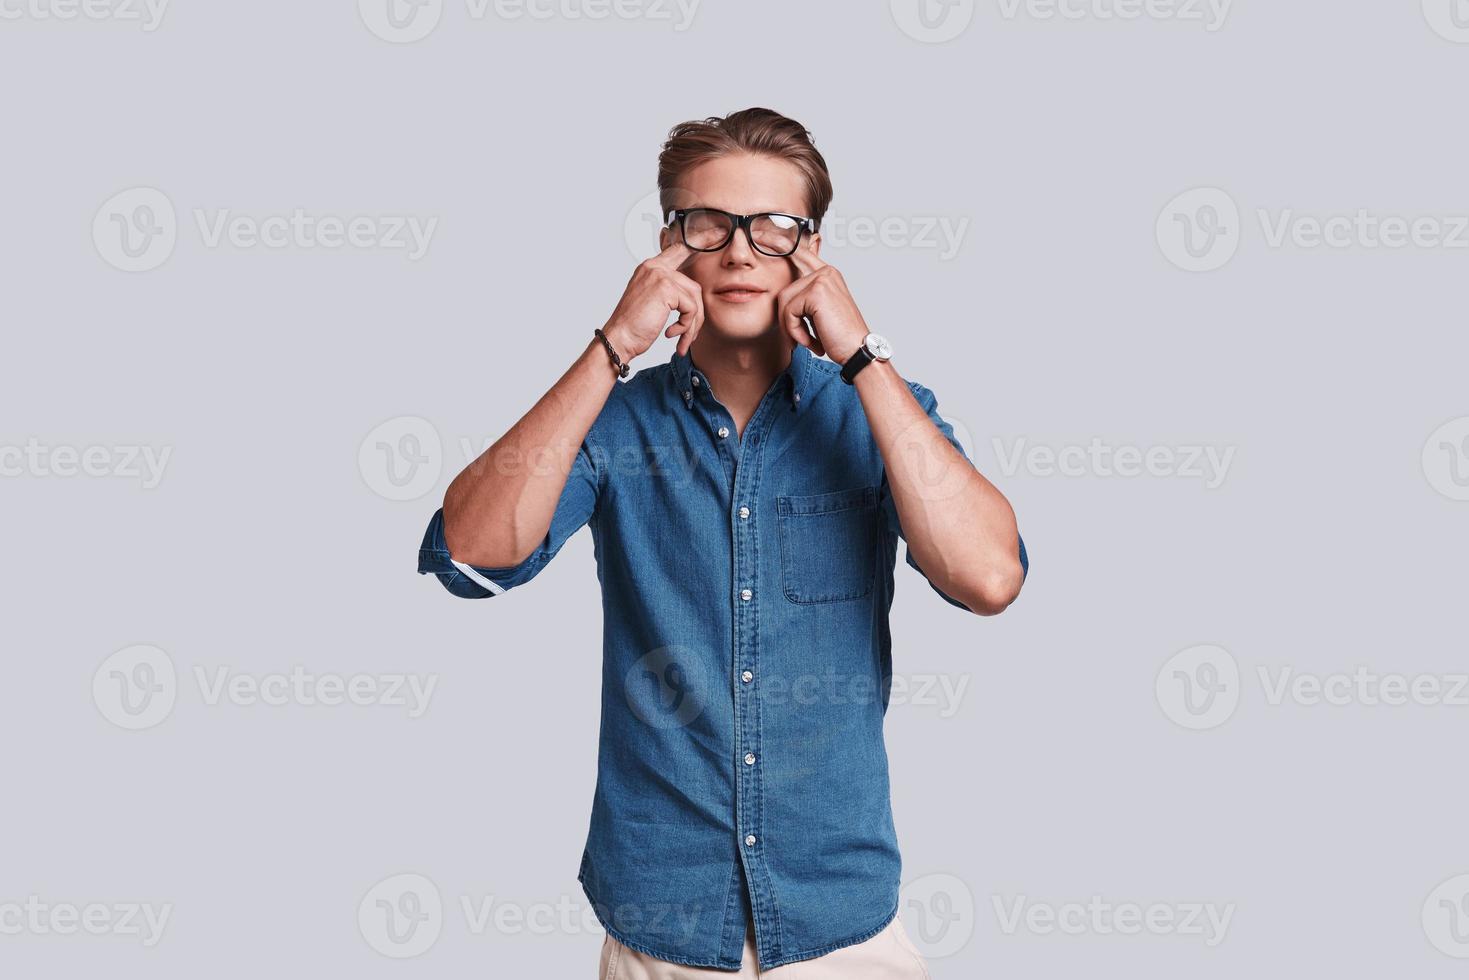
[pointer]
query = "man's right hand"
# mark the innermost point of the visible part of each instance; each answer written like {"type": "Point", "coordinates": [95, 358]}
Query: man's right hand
{"type": "Point", "coordinates": [656, 287]}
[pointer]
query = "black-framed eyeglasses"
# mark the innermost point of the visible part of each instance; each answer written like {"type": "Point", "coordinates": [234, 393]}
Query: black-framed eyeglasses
{"type": "Point", "coordinates": [769, 232]}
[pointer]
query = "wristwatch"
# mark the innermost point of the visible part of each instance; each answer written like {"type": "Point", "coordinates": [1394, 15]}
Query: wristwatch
{"type": "Point", "coordinates": [875, 347]}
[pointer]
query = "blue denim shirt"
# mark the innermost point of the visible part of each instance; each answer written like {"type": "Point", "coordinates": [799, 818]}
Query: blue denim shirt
{"type": "Point", "coordinates": [746, 583]}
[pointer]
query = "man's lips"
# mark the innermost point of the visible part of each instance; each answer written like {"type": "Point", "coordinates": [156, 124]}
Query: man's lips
{"type": "Point", "coordinates": [742, 293]}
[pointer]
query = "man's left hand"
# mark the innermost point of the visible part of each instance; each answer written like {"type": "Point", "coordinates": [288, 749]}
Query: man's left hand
{"type": "Point", "coordinates": [820, 292]}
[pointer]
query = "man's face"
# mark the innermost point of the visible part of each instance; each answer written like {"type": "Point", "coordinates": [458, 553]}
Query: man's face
{"type": "Point", "coordinates": [741, 184]}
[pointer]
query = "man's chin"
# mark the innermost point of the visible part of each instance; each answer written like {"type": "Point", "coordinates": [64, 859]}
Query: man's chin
{"type": "Point", "coordinates": [740, 327]}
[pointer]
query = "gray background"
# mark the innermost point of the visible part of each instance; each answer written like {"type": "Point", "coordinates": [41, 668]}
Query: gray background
{"type": "Point", "coordinates": [1062, 773]}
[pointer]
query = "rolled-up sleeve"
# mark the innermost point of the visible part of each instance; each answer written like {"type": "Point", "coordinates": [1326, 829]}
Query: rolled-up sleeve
{"type": "Point", "coordinates": [576, 507]}
{"type": "Point", "coordinates": [929, 401]}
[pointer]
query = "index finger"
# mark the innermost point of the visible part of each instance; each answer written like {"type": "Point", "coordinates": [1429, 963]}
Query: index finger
{"type": "Point", "coordinates": [673, 256]}
{"type": "Point", "coordinates": [806, 261]}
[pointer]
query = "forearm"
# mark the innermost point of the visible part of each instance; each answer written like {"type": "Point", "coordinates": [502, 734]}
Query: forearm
{"type": "Point", "coordinates": [959, 527]}
{"type": "Point", "coordinates": [500, 506]}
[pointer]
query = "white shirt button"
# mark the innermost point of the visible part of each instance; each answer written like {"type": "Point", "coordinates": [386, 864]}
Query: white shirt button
{"type": "Point", "coordinates": [745, 594]}
{"type": "Point", "coordinates": [749, 758]}
{"type": "Point", "coordinates": [744, 512]}
{"type": "Point", "coordinates": [696, 381]}
{"type": "Point", "coordinates": [687, 395]}
{"type": "Point", "coordinates": [723, 432]}
{"type": "Point", "coordinates": [798, 396]}
{"type": "Point", "coordinates": [747, 676]}
{"type": "Point", "coordinates": [749, 840]}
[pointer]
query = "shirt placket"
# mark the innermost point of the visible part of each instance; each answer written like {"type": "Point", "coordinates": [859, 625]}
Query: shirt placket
{"type": "Point", "coordinates": [742, 458]}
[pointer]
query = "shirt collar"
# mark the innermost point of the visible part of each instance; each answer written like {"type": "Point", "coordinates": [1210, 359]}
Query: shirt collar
{"type": "Point", "coordinates": [793, 378]}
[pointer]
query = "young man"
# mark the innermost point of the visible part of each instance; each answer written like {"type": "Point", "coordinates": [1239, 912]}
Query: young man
{"type": "Point", "coordinates": [746, 499]}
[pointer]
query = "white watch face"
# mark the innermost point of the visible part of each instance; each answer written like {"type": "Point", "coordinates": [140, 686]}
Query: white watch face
{"type": "Point", "coordinates": [877, 345]}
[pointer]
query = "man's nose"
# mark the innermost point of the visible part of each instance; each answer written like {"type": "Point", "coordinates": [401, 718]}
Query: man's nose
{"type": "Point", "coordinates": [738, 251]}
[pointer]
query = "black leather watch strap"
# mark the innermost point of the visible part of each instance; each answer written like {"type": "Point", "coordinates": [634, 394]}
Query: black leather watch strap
{"type": "Point", "coordinates": [855, 363]}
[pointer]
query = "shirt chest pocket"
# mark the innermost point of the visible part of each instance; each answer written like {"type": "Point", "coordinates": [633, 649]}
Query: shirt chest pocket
{"type": "Point", "coordinates": [828, 544]}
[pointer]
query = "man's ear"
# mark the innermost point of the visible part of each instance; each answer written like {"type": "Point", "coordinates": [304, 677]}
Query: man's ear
{"type": "Point", "coordinates": [816, 244]}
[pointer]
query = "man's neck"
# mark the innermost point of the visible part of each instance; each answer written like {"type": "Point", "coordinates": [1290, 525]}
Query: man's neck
{"type": "Point", "coordinates": [740, 372]}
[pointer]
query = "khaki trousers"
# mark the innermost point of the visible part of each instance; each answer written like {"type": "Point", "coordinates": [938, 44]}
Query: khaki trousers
{"type": "Point", "coordinates": [889, 955]}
